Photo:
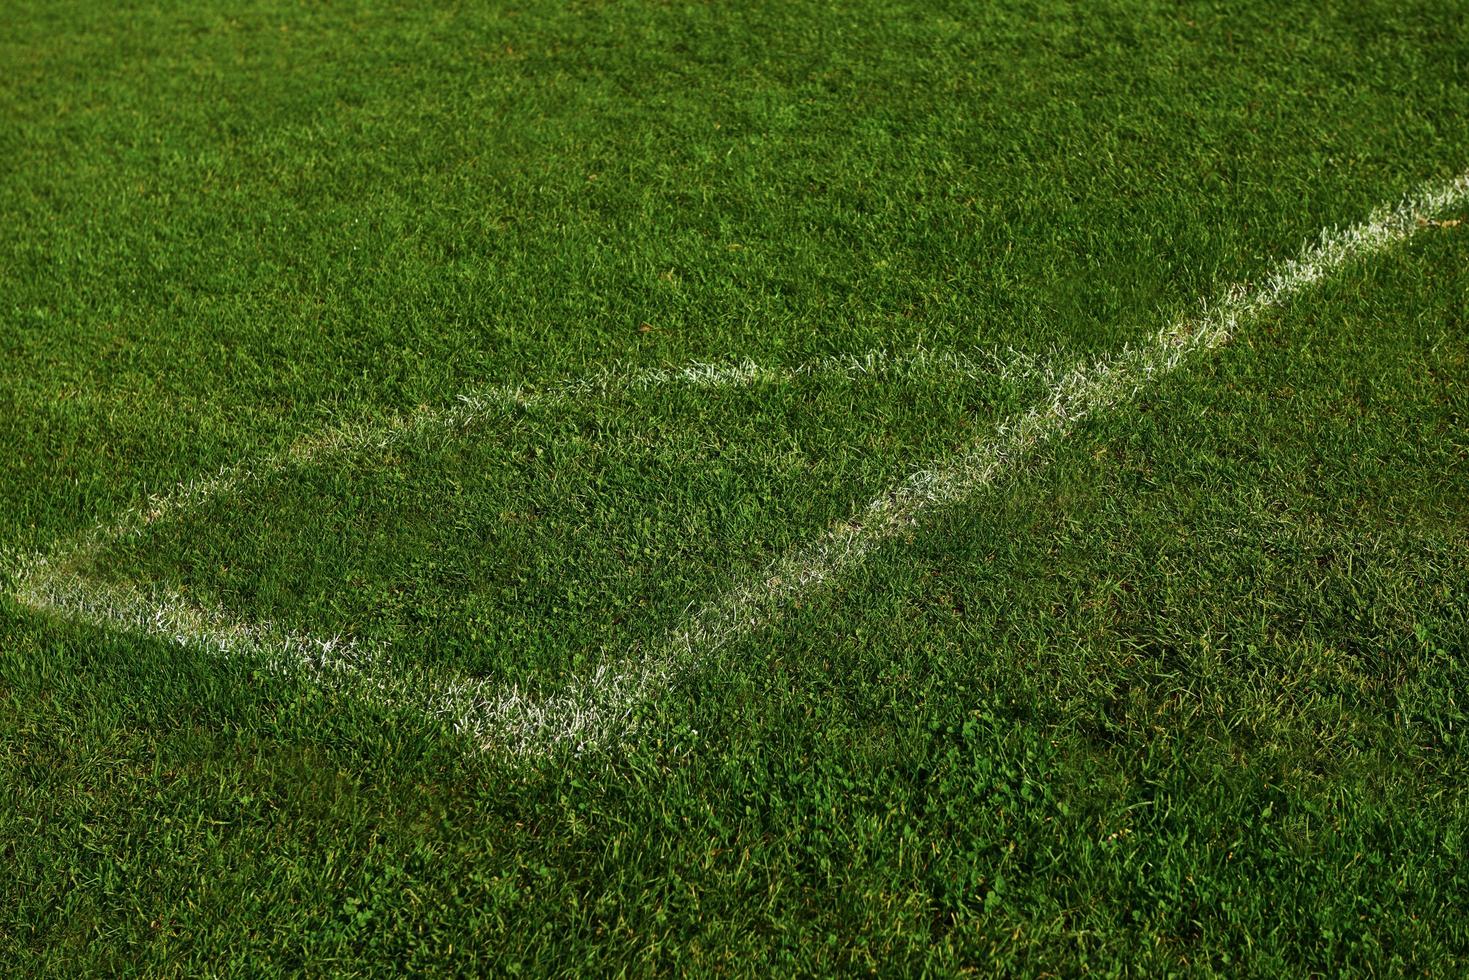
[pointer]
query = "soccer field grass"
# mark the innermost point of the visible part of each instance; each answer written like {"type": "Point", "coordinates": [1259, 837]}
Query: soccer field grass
{"type": "Point", "coordinates": [769, 489]}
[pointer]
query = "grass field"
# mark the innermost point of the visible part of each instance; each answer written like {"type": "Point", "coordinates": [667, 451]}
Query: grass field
{"type": "Point", "coordinates": [752, 488]}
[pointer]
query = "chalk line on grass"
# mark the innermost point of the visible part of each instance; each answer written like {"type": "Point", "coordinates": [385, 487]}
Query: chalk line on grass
{"type": "Point", "coordinates": [596, 707]}
{"type": "Point", "coordinates": [170, 615]}
{"type": "Point", "coordinates": [592, 709]}
{"type": "Point", "coordinates": [476, 406]}
{"type": "Point", "coordinates": [56, 582]}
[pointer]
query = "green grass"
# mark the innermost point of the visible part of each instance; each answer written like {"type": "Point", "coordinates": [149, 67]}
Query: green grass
{"type": "Point", "coordinates": [541, 535]}
{"type": "Point", "coordinates": [1184, 692]}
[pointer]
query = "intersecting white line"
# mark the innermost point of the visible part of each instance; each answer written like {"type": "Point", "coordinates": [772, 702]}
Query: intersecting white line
{"type": "Point", "coordinates": [590, 710]}
{"type": "Point", "coordinates": [55, 582]}
{"type": "Point", "coordinates": [598, 706]}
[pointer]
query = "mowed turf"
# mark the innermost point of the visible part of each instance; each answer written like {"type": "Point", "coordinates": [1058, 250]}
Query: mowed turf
{"type": "Point", "coordinates": [564, 532]}
{"type": "Point", "coordinates": [1182, 692]}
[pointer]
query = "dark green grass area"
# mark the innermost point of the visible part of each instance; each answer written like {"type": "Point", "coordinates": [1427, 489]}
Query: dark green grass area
{"type": "Point", "coordinates": [1183, 693]}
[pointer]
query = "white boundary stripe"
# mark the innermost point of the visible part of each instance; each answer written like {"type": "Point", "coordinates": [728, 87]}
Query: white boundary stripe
{"type": "Point", "coordinates": [479, 404]}
{"type": "Point", "coordinates": [172, 616]}
{"type": "Point", "coordinates": [596, 707]}
{"type": "Point", "coordinates": [54, 582]}
{"type": "Point", "coordinates": [593, 709]}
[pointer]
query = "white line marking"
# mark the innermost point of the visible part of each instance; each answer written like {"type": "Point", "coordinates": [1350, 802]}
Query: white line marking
{"type": "Point", "coordinates": [56, 584]}
{"type": "Point", "coordinates": [591, 710]}
{"type": "Point", "coordinates": [596, 707]}
{"type": "Point", "coordinates": [478, 404]}
{"type": "Point", "coordinates": [170, 615]}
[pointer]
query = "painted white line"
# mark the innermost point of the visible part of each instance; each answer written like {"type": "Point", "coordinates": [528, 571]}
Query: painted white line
{"type": "Point", "coordinates": [56, 582]}
{"type": "Point", "coordinates": [478, 404]}
{"type": "Point", "coordinates": [169, 615]}
{"type": "Point", "coordinates": [599, 706]}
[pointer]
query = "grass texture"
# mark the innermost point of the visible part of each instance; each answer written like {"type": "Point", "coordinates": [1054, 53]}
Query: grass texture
{"type": "Point", "coordinates": [1181, 693]}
